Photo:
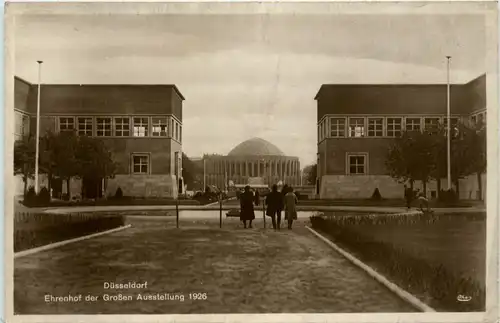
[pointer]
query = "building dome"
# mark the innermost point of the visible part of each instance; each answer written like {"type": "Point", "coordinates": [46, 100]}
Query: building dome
{"type": "Point", "coordinates": [256, 147]}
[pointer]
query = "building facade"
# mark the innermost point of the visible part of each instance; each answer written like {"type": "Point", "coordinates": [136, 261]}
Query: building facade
{"type": "Point", "coordinates": [140, 124]}
{"type": "Point", "coordinates": [357, 123]}
{"type": "Point", "coordinates": [254, 160]}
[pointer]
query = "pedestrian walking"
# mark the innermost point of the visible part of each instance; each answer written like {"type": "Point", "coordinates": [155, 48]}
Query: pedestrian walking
{"type": "Point", "coordinates": [408, 196]}
{"type": "Point", "coordinates": [290, 207]}
{"type": "Point", "coordinates": [274, 202]}
{"type": "Point", "coordinates": [247, 213]}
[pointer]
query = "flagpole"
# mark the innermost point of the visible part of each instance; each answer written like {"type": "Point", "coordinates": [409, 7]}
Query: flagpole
{"type": "Point", "coordinates": [448, 128]}
{"type": "Point", "coordinates": [204, 174]}
{"type": "Point", "coordinates": [37, 149]}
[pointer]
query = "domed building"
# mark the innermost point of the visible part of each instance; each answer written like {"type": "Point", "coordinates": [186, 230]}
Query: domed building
{"type": "Point", "coordinates": [253, 161]}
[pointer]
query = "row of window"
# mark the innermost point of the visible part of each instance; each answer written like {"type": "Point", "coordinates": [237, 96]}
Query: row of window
{"type": "Point", "coordinates": [340, 127]}
{"type": "Point", "coordinates": [478, 117]}
{"type": "Point", "coordinates": [141, 164]}
{"type": "Point", "coordinates": [22, 125]}
{"type": "Point", "coordinates": [122, 126]}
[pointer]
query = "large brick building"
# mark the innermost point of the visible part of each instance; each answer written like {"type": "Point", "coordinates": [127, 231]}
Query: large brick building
{"type": "Point", "coordinates": [356, 124]}
{"type": "Point", "coordinates": [140, 124]}
{"type": "Point", "coordinates": [254, 160]}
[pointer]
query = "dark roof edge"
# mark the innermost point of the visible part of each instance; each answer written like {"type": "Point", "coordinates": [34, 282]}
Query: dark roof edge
{"type": "Point", "coordinates": [397, 84]}
{"type": "Point", "coordinates": [22, 80]}
{"type": "Point", "coordinates": [176, 89]}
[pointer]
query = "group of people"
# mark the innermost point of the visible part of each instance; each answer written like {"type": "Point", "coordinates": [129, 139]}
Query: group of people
{"type": "Point", "coordinates": [410, 195]}
{"type": "Point", "coordinates": [276, 202]}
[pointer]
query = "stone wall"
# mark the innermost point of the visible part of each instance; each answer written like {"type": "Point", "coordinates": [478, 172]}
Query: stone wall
{"type": "Point", "coordinates": [362, 187]}
{"type": "Point", "coordinates": [143, 185]}
{"type": "Point", "coordinates": [353, 187]}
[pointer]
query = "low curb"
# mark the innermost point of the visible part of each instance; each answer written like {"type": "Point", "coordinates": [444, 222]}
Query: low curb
{"type": "Point", "coordinates": [415, 302]}
{"type": "Point", "coordinates": [65, 242]}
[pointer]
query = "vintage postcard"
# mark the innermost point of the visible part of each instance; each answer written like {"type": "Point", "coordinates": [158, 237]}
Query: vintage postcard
{"type": "Point", "coordinates": [251, 162]}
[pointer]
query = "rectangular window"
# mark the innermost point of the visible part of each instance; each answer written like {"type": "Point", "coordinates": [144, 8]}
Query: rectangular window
{"type": "Point", "coordinates": [432, 124]}
{"type": "Point", "coordinates": [413, 124]}
{"type": "Point", "coordinates": [337, 127]}
{"type": "Point", "coordinates": [180, 134]}
{"type": "Point", "coordinates": [103, 128]}
{"type": "Point", "coordinates": [394, 127]}
{"type": "Point", "coordinates": [356, 164]}
{"type": "Point", "coordinates": [122, 127]}
{"type": "Point", "coordinates": [24, 125]}
{"type": "Point", "coordinates": [159, 127]}
{"type": "Point", "coordinates": [140, 164]}
{"type": "Point", "coordinates": [356, 127]}
{"type": "Point", "coordinates": [375, 127]}
{"type": "Point", "coordinates": [141, 127]}
{"type": "Point", "coordinates": [473, 120]}
{"type": "Point", "coordinates": [85, 125]}
{"type": "Point", "coordinates": [176, 131]}
{"type": "Point", "coordinates": [66, 123]}
{"type": "Point", "coordinates": [481, 118]}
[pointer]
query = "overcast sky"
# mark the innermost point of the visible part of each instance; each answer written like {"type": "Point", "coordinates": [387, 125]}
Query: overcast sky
{"type": "Point", "coordinates": [249, 75]}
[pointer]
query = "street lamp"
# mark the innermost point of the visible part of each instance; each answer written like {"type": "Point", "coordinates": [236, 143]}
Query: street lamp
{"type": "Point", "coordinates": [37, 149]}
{"type": "Point", "coordinates": [448, 128]}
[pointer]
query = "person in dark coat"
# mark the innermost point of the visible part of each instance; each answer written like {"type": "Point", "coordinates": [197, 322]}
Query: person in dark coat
{"type": "Point", "coordinates": [284, 190]}
{"type": "Point", "coordinates": [246, 203]}
{"type": "Point", "coordinates": [408, 196]}
{"type": "Point", "coordinates": [274, 202]}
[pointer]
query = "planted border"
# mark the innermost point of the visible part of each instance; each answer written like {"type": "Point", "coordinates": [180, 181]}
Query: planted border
{"type": "Point", "coordinates": [433, 284]}
{"type": "Point", "coordinates": [33, 230]}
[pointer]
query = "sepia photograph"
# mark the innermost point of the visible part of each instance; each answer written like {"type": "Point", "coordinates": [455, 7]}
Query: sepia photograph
{"type": "Point", "coordinates": [251, 158]}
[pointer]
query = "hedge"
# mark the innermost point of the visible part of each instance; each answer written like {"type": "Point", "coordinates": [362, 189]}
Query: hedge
{"type": "Point", "coordinates": [38, 229]}
{"type": "Point", "coordinates": [435, 285]}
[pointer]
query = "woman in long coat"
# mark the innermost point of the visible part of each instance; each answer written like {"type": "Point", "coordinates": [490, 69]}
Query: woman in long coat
{"type": "Point", "coordinates": [290, 207]}
{"type": "Point", "coordinates": [246, 203]}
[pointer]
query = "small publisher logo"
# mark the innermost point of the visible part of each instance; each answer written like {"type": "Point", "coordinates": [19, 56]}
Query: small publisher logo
{"type": "Point", "coordinates": [463, 298]}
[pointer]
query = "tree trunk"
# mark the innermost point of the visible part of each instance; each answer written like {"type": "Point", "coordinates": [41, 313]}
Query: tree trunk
{"type": "Point", "coordinates": [25, 180]}
{"type": "Point", "coordinates": [425, 187]}
{"type": "Point", "coordinates": [439, 188]}
{"type": "Point", "coordinates": [412, 185]}
{"type": "Point", "coordinates": [480, 186]}
{"type": "Point", "coordinates": [68, 188]}
{"type": "Point", "coordinates": [49, 178]}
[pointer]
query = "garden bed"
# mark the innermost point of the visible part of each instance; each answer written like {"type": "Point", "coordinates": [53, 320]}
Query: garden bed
{"type": "Point", "coordinates": [117, 202]}
{"type": "Point", "coordinates": [386, 202]}
{"type": "Point", "coordinates": [436, 258]}
{"type": "Point", "coordinates": [33, 230]}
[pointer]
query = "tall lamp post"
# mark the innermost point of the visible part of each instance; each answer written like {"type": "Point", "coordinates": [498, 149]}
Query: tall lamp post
{"type": "Point", "coordinates": [204, 174]}
{"type": "Point", "coordinates": [37, 149]}
{"type": "Point", "coordinates": [448, 128]}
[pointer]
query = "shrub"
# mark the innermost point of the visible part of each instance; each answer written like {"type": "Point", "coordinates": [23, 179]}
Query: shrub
{"type": "Point", "coordinates": [376, 195]}
{"type": "Point", "coordinates": [449, 196]}
{"type": "Point", "coordinates": [119, 193]}
{"type": "Point", "coordinates": [30, 198]}
{"type": "Point", "coordinates": [43, 197]}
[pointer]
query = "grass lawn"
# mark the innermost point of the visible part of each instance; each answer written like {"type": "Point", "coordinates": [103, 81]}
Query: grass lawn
{"type": "Point", "coordinates": [459, 244]}
{"type": "Point", "coordinates": [455, 242]}
{"type": "Point", "coordinates": [241, 271]}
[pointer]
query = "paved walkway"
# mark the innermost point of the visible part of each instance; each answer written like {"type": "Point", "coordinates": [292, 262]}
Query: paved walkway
{"type": "Point", "coordinates": [111, 208]}
{"type": "Point", "coordinates": [241, 271]}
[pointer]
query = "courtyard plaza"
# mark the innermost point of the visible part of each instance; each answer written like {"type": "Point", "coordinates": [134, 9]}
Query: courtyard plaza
{"type": "Point", "coordinates": [239, 270]}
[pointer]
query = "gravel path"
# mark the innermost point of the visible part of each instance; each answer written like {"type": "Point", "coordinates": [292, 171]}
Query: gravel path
{"type": "Point", "coordinates": [241, 271]}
